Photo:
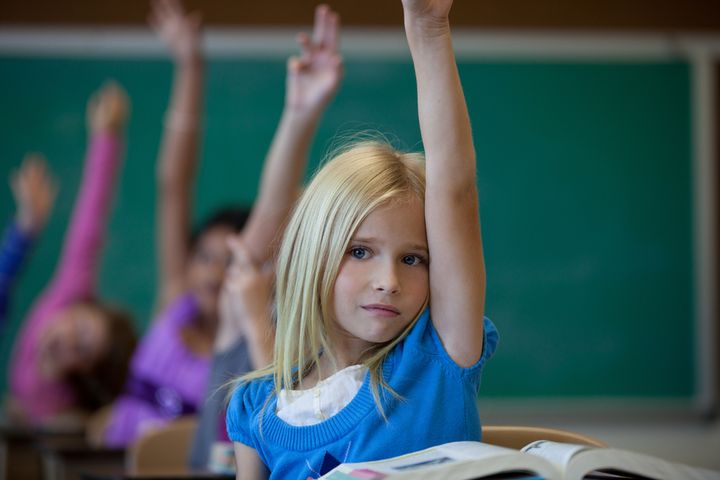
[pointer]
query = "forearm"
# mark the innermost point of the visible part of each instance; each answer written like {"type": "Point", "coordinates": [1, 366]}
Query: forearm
{"type": "Point", "coordinates": [443, 115]}
{"type": "Point", "coordinates": [85, 235]}
{"type": "Point", "coordinates": [281, 179]}
{"type": "Point", "coordinates": [182, 121]}
{"type": "Point", "coordinates": [176, 170]}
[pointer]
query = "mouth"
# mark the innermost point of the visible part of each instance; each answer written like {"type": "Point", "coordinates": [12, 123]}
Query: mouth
{"type": "Point", "coordinates": [381, 310]}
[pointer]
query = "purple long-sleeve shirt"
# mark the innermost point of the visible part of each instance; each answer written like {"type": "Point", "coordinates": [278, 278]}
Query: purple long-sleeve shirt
{"type": "Point", "coordinates": [73, 281]}
{"type": "Point", "coordinates": [166, 378]}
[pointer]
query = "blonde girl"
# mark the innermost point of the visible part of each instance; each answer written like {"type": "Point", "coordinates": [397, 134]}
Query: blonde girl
{"type": "Point", "coordinates": [380, 292]}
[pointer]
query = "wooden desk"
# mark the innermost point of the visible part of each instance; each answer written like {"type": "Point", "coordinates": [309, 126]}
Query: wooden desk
{"type": "Point", "coordinates": [19, 456]}
{"type": "Point", "coordinates": [70, 458]}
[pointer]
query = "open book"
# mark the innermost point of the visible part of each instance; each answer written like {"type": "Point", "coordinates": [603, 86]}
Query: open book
{"type": "Point", "coordinates": [540, 459]}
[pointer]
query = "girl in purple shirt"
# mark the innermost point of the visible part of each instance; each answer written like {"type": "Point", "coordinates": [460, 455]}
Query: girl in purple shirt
{"type": "Point", "coordinates": [172, 364]}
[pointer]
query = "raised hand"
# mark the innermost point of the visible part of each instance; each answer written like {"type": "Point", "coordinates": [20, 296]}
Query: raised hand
{"type": "Point", "coordinates": [108, 109]}
{"type": "Point", "coordinates": [314, 76]}
{"type": "Point", "coordinates": [179, 30]}
{"type": "Point", "coordinates": [245, 299]}
{"type": "Point", "coordinates": [34, 191]}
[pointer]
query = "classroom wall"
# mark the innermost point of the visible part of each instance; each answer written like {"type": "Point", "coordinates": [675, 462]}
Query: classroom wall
{"type": "Point", "coordinates": [584, 173]}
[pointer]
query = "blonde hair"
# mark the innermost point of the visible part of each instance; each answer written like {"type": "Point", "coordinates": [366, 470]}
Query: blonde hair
{"type": "Point", "coordinates": [358, 180]}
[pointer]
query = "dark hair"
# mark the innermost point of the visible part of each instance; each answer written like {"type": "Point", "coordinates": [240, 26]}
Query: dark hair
{"type": "Point", "coordinates": [233, 218]}
{"type": "Point", "coordinates": [106, 378]}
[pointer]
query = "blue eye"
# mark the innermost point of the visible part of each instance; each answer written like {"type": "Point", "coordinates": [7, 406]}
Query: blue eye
{"type": "Point", "coordinates": [412, 260]}
{"type": "Point", "coordinates": [359, 252]}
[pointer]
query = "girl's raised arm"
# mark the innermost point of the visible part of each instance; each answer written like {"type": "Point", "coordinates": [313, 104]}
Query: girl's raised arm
{"type": "Point", "coordinates": [177, 163]}
{"type": "Point", "coordinates": [312, 79]}
{"type": "Point", "coordinates": [75, 276]}
{"type": "Point", "coordinates": [34, 191]}
{"type": "Point", "coordinates": [457, 269]}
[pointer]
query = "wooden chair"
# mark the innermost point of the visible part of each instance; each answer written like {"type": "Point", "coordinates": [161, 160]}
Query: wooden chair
{"type": "Point", "coordinates": [518, 436]}
{"type": "Point", "coordinates": [163, 450]}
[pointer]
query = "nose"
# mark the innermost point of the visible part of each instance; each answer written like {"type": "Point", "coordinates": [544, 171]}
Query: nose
{"type": "Point", "coordinates": [216, 267]}
{"type": "Point", "coordinates": [386, 279]}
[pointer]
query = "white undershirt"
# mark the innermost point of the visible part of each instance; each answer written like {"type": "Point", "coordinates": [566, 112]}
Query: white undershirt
{"type": "Point", "coordinates": [312, 406]}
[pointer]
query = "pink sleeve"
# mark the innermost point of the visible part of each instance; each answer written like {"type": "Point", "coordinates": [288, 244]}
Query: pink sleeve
{"type": "Point", "coordinates": [75, 275]}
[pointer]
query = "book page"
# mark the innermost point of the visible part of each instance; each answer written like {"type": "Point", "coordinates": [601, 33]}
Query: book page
{"type": "Point", "coordinates": [457, 460]}
{"type": "Point", "coordinates": [578, 461]}
{"type": "Point", "coordinates": [559, 454]}
{"type": "Point", "coordinates": [636, 464]}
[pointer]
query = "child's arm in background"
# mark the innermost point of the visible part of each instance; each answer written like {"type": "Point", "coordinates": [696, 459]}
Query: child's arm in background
{"type": "Point", "coordinates": [245, 307]}
{"type": "Point", "coordinates": [312, 80]}
{"type": "Point", "coordinates": [75, 276]}
{"type": "Point", "coordinates": [457, 269]}
{"type": "Point", "coordinates": [34, 192]}
{"type": "Point", "coordinates": [177, 163]}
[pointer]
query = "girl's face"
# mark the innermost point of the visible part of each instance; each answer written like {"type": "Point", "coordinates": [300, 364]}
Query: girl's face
{"type": "Point", "coordinates": [73, 342]}
{"type": "Point", "coordinates": [206, 271]}
{"type": "Point", "coordinates": [383, 279]}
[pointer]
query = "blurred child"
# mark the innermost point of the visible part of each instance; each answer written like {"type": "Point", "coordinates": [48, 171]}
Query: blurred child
{"type": "Point", "coordinates": [34, 193]}
{"type": "Point", "coordinates": [243, 343]}
{"type": "Point", "coordinates": [380, 295]}
{"type": "Point", "coordinates": [171, 367]}
{"type": "Point", "coordinates": [72, 353]}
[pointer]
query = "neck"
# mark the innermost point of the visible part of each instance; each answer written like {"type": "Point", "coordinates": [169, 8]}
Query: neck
{"type": "Point", "coordinates": [206, 325]}
{"type": "Point", "coordinates": [199, 335]}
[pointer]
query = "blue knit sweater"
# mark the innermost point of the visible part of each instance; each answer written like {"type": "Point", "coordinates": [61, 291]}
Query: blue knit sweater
{"type": "Point", "coordinates": [438, 405]}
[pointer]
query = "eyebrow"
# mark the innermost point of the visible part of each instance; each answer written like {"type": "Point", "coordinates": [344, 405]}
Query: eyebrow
{"type": "Point", "coordinates": [415, 246]}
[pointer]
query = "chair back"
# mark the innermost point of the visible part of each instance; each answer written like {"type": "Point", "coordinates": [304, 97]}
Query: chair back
{"type": "Point", "coordinates": [164, 450]}
{"type": "Point", "coordinates": [512, 436]}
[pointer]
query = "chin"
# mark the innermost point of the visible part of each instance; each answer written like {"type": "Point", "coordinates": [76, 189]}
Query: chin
{"type": "Point", "coordinates": [48, 370]}
{"type": "Point", "coordinates": [381, 337]}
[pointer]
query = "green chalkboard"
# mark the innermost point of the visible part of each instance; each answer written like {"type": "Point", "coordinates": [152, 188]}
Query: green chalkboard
{"type": "Point", "coordinates": [585, 179]}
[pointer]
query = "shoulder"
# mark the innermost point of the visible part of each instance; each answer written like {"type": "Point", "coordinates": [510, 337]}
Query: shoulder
{"type": "Point", "coordinates": [250, 393]}
{"type": "Point", "coordinates": [246, 404]}
{"type": "Point", "coordinates": [424, 340]}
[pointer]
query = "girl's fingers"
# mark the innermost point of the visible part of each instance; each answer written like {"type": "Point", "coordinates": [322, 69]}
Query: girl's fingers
{"type": "Point", "coordinates": [320, 26]}
{"type": "Point", "coordinates": [306, 46]}
{"type": "Point", "coordinates": [331, 33]}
